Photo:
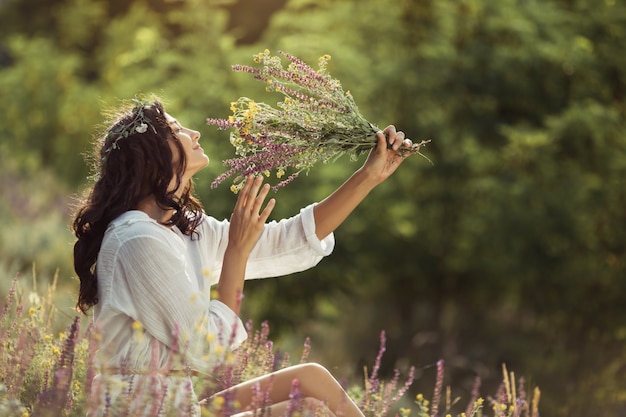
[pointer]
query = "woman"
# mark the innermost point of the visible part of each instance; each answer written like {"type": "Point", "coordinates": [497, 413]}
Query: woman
{"type": "Point", "coordinates": [146, 255]}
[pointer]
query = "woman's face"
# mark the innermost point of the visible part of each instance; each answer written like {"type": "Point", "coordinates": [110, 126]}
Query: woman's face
{"type": "Point", "coordinates": [194, 154]}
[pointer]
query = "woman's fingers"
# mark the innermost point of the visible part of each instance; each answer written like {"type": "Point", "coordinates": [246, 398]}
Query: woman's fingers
{"type": "Point", "coordinates": [394, 138]}
{"type": "Point", "coordinates": [242, 198]}
{"type": "Point", "coordinates": [249, 216]}
{"type": "Point", "coordinates": [252, 196]}
{"type": "Point", "coordinates": [265, 214]}
{"type": "Point", "coordinates": [258, 194]}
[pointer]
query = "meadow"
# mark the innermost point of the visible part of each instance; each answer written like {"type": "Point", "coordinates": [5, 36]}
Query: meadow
{"type": "Point", "coordinates": [50, 373]}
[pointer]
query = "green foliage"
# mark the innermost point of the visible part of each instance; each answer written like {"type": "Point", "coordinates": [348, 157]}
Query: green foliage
{"type": "Point", "coordinates": [510, 248]}
{"type": "Point", "coordinates": [33, 210]}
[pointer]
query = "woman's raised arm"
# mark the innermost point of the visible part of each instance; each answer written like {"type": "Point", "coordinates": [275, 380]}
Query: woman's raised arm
{"type": "Point", "coordinates": [246, 225]}
{"type": "Point", "coordinates": [380, 164]}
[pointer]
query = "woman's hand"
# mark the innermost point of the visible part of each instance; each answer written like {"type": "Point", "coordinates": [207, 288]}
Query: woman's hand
{"type": "Point", "coordinates": [246, 226]}
{"type": "Point", "coordinates": [387, 156]}
{"type": "Point", "coordinates": [382, 161]}
{"type": "Point", "coordinates": [247, 220]}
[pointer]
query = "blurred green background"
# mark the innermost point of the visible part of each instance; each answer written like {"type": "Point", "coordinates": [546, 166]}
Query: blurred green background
{"type": "Point", "coordinates": [510, 248]}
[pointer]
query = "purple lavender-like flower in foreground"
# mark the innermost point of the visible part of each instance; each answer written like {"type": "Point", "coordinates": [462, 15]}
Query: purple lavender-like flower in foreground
{"type": "Point", "coordinates": [475, 395]}
{"type": "Point", "coordinates": [54, 400]}
{"type": "Point", "coordinates": [437, 390]}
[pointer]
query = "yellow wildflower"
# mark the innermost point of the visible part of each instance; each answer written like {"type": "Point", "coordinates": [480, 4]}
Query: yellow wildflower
{"type": "Point", "coordinates": [266, 173]}
{"type": "Point", "coordinates": [218, 402]}
{"type": "Point", "coordinates": [419, 397]}
{"type": "Point", "coordinates": [254, 109]}
{"type": "Point", "coordinates": [279, 173]}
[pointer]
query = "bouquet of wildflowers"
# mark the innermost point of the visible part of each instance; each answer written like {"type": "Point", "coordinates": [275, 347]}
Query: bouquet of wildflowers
{"type": "Point", "coordinates": [316, 121]}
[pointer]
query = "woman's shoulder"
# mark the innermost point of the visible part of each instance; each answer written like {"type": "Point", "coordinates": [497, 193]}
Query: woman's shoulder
{"type": "Point", "coordinates": [132, 218]}
{"type": "Point", "coordinates": [212, 225]}
{"type": "Point", "coordinates": [135, 224]}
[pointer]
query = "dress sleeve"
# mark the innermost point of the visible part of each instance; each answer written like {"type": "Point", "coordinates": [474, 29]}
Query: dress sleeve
{"type": "Point", "coordinates": [284, 247]}
{"type": "Point", "coordinates": [167, 301]}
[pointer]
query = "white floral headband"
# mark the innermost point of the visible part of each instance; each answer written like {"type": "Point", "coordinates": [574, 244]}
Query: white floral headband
{"type": "Point", "coordinates": [139, 124]}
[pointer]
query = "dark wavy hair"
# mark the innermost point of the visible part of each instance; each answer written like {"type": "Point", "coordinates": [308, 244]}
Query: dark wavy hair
{"type": "Point", "coordinates": [127, 170]}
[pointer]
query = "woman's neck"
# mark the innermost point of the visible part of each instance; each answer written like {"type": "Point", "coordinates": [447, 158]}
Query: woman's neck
{"type": "Point", "coordinates": [149, 206]}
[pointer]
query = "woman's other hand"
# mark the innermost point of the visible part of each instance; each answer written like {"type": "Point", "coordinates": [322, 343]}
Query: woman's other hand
{"type": "Point", "coordinates": [247, 220]}
{"type": "Point", "coordinates": [387, 156]}
{"type": "Point", "coordinates": [246, 226]}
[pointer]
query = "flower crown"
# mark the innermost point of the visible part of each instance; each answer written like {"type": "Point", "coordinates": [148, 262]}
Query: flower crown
{"type": "Point", "coordinates": [139, 124]}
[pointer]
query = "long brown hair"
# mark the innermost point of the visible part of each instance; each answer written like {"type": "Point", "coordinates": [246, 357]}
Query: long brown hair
{"type": "Point", "coordinates": [130, 167]}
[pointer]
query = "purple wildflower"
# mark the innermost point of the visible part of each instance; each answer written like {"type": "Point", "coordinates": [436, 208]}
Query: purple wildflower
{"type": "Point", "coordinates": [9, 299]}
{"type": "Point", "coordinates": [438, 388]}
{"type": "Point", "coordinates": [306, 351]}
{"type": "Point", "coordinates": [53, 401]}
{"type": "Point", "coordinates": [383, 347]}
{"type": "Point", "coordinates": [475, 395]}
{"type": "Point", "coordinates": [295, 396]}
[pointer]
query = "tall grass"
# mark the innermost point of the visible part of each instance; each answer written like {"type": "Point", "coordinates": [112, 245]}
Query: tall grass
{"type": "Point", "coordinates": [44, 373]}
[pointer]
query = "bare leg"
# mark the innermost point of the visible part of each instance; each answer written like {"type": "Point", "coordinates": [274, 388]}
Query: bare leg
{"type": "Point", "coordinates": [315, 382]}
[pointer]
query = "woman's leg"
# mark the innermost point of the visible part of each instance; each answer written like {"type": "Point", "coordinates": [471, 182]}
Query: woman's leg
{"type": "Point", "coordinates": [314, 381]}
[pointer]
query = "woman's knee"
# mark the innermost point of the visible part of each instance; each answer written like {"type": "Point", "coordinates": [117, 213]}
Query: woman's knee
{"type": "Point", "coordinates": [312, 369]}
{"type": "Point", "coordinates": [313, 376]}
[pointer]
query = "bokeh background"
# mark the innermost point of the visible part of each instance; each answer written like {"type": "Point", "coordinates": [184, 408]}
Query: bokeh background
{"type": "Point", "coordinates": [509, 248]}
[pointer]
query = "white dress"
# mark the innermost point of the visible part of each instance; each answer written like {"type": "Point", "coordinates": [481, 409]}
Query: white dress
{"type": "Point", "coordinates": [154, 297]}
